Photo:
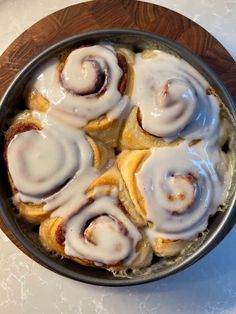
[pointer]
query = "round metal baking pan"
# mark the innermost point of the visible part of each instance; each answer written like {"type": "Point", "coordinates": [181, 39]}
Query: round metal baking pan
{"type": "Point", "coordinates": [26, 234]}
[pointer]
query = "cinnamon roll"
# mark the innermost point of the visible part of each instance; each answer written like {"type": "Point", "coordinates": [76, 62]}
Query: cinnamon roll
{"type": "Point", "coordinates": [86, 88]}
{"type": "Point", "coordinates": [48, 163]}
{"type": "Point", "coordinates": [173, 103]}
{"type": "Point", "coordinates": [100, 235]}
{"type": "Point", "coordinates": [176, 189]}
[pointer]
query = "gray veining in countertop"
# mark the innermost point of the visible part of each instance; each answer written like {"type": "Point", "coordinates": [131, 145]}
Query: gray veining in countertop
{"type": "Point", "coordinates": [207, 287]}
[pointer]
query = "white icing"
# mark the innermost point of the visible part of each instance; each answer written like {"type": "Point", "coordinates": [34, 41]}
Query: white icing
{"type": "Point", "coordinates": [69, 199]}
{"type": "Point", "coordinates": [172, 97]}
{"type": "Point", "coordinates": [113, 236]}
{"type": "Point", "coordinates": [178, 207]}
{"type": "Point", "coordinates": [41, 161]}
{"type": "Point", "coordinates": [119, 111]}
{"type": "Point", "coordinates": [83, 67]}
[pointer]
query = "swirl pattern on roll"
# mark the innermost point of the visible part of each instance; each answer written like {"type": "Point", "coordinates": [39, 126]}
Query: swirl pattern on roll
{"type": "Point", "coordinates": [90, 84]}
{"type": "Point", "coordinates": [172, 98]}
{"type": "Point", "coordinates": [45, 165]}
{"type": "Point", "coordinates": [100, 232]}
{"type": "Point", "coordinates": [181, 189]}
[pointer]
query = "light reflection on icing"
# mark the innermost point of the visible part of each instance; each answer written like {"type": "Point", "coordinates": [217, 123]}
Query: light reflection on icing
{"type": "Point", "coordinates": [172, 97]}
{"type": "Point", "coordinates": [82, 69]}
{"type": "Point", "coordinates": [185, 191]}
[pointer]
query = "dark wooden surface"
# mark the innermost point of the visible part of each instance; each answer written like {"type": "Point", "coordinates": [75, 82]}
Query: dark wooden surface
{"type": "Point", "coordinates": [113, 14]}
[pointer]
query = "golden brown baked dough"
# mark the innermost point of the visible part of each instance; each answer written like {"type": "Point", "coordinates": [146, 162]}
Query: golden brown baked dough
{"type": "Point", "coordinates": [52, 237]}
{"type": "Point", "coordinates": [112, 182]}
{"type": "Point", "coordinates": [133, 136]}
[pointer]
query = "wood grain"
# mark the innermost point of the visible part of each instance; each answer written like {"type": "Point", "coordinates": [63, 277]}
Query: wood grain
{"type": "Point", "coordinates": [113, 14]}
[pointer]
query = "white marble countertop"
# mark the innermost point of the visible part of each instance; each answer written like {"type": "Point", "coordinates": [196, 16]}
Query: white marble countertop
{"type": "Point", "coordinates": [207, 287]}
